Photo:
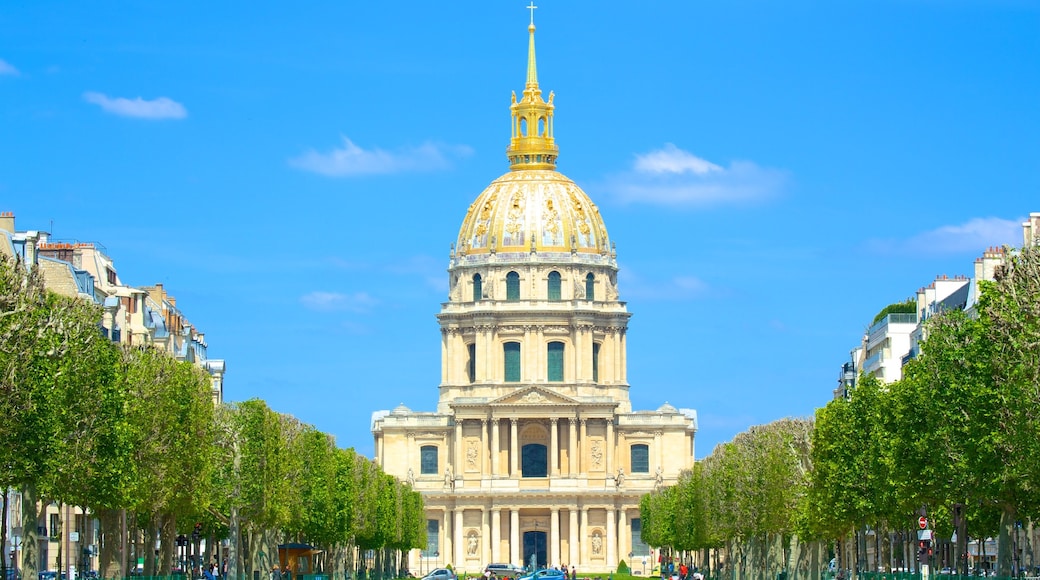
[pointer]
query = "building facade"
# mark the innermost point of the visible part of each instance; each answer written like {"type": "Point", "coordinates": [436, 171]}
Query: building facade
{"type": "Point", "coordinates": [534, 455]}
{"type": "Point", "coordinates": [67, 536]}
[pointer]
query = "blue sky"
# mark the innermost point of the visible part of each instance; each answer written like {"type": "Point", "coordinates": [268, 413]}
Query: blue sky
{"type": "Point", "coordinates": [773, 174]}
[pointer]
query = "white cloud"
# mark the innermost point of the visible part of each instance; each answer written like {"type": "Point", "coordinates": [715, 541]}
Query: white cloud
{"type": "Point", "coordinates": [673, 177]}
{"type": "Point", "coordinates": [359, 302]}
{"type": "Point", "coordinates": [973, 236]}
{"type": "Point", "coordinates": [7, 68]}
{"type": "Point", "coordinates": [353, 160]}
{"type": "Point", "coordinates": [160, 108]}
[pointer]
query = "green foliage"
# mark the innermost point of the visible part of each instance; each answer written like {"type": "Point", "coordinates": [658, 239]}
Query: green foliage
{"type": "Point", "coordinates": [908, 306]}
{"type": "Point", "coordinates": [623, 569]}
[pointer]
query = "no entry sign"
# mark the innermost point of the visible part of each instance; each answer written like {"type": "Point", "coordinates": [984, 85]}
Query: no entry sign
{"type": "Point", "coordinates": [922, 522]}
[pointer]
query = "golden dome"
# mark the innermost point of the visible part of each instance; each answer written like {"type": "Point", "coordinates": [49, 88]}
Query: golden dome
{"type": "Point", "coordinates": [533, 210]}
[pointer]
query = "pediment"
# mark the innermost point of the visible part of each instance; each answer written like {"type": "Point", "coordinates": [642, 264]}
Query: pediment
{"type": "Point", "coordinates": [533, 396]}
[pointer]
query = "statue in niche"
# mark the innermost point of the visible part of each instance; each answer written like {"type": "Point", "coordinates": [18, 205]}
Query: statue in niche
{"type": "Point", "coordinates": [449, 478]}
{"type": "Point", "coordinates": [597, 543]}
{"type": "Point", "coordinates": [659, 478]}
{"type": "Point", "coordinates": [619, 480]}
{"type": "Point", "coordinates": [597, 453]}
{"type": "Point", "coordinates": [411, 476]}
{"type": "Point", "coordinates": [472, 543]}
{"type": "Point", "coordinates": [471, 455]}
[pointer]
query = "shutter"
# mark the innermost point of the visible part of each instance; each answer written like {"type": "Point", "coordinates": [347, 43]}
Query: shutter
{"type": "Point", "coordinates": [554, 286]}
{"type": "Point", "coordinates": [555, 361]}
{"type": "Point", "coordinates": [512, 361]}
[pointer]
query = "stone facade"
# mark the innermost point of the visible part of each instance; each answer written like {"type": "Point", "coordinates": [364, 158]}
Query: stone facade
{"type": "Point", "coordinates": [534, 455]}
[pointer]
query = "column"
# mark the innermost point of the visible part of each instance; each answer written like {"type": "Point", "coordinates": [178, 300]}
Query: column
{"type": "Point", "coordinates": [554, 537]}
{"type": "Point", "coordinates": [379, 452]}
{"type": "Point", "coordinates": [658, 455]}
{"type": "Point", "coordinates": [514, 471]}
{"type": "Point", "coordinates": [572, 447]}
{"type": "Point", "coordinates": [611, 445]}
{"type": "Point", "coordinates": [619, 372]}
{"type": "Point", "coordinates": [611, 540]}
{"type": "Point", "coordinates": [446, 543]}
{"type": "Point", "coordinates": [572, 527]}
{"type": "Point", "coordinates": [460, 543]}
{"type": "Point", "coordinates": [460, 467]}
{"type": "Point", "coordinates": [494, 449]}
{"type": "Point", "coordinates": [584, 467]}
{"type": "Point", "coordinates": [623, 543]}
{"type": "Point", "coordinates": [482, 464]}
{"type": "Point", "coordinates": [584, 539]}
{"type": "Point", "coordinates": [496, 533]}
{"type": "Point", "coordinates": [554, 453]}
{"type": "Point", "coordinates": [485, 528]}
{"type": "Point", "coordinates": [514, 536]}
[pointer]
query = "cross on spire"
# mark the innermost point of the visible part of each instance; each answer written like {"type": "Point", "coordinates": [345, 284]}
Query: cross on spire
{"type": "Point", "coordinates": [531, 8]}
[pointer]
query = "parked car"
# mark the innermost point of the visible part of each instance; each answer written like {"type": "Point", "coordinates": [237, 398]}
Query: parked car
{"type": "Point", "coordinates": [504, 570]}
{"type": "Point", "coordinates": [544, 574]}
{"type": "Point", "coordinates": [440, 574]}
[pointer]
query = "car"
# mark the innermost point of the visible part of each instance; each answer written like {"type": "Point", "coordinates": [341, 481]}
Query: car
{"type": "Point", "coordinates": [544, 574]}
{"type": "Point", "coordinates": [440, 574]}
{"type": "Point", "coordinates": [504, 570]}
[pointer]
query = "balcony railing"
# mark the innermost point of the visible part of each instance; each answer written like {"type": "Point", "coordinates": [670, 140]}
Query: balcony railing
{"type": "Point", "coordinates": [894, 318]}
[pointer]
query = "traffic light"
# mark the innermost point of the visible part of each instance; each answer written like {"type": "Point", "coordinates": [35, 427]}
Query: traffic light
{"type": "Point", "coordinates": [924, 550]}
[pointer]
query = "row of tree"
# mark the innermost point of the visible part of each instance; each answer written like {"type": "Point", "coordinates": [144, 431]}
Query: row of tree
{"type": "Point", "coordinates": [958, 436]}
{"type": "Point", "coordinates": [133, 436]}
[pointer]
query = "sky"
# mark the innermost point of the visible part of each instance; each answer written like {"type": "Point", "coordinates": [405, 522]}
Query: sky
{"type": "Point", "coordinates": [773, 174]}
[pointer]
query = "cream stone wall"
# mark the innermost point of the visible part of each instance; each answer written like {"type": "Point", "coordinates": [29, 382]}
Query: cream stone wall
{"type": "Point", "coordinates": [532, 468]}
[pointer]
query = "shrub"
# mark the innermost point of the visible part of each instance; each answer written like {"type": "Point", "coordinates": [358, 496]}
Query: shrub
{"type": "Point", "coordinates": [622, 568]}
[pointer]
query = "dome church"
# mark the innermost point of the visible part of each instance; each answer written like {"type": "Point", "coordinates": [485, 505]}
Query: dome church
{"type": "Point", "coordinates": [534, 456]}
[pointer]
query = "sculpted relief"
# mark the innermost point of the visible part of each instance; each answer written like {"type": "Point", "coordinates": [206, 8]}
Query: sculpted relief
{"type": "Point", "coordinates": [597, 454]}
{"type": "Point", "coordinates": [472, 455]}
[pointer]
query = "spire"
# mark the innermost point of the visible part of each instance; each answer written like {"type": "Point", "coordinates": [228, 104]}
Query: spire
{"type": "Point", "coordinates": [532, 145]}
{"type": "Point", "coordinates": [532, 66]}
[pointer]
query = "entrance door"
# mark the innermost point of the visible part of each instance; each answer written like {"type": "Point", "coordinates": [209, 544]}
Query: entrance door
{"type": "Point", "coordinates": [534, 550]}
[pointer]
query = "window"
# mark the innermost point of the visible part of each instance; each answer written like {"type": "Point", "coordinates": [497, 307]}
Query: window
{"type": "Point", "coordinates": [512, 286]}
{"type": "Point", "coordinates": [555, 362]}
{"type": "Point", "coordinates": [511, 350]}
{"type": "Point", "coordinates": [590, 287]}
{"type": "Point", "coordinates": [478, 290]}
{"type": "Point", "coordinates": [554, 286]}
{"type": "Point", "coordinates": [640, 459]}
{"type": "Point", "coordinates": [433, 538]}
{"type": "Point", "coordinates": [471, 363]}
{"type": "Point", "coordinates": [428, 460]}
{"type": "Point", "coordinates": [595, 362]}
{"type": "Point", "coordinates": [55, 527]}
{"type": "Point", "coordinates": [639, 547]}
{"type": "Point", "coordinates": [534, 461]}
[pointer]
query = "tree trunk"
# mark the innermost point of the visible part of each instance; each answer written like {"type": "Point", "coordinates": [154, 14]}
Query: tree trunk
{"type": "Point", "coordinates": [30, 536]}
{"type": "Point", "coordinates": [167, 542]}
{"type": "Point", "coordinates": [109, 544]}
{"type": "Point", "coordinates": [1005, 547]}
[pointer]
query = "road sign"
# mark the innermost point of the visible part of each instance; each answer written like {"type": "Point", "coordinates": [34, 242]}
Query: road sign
{"type": "Point", "coordinates": [922, 522]}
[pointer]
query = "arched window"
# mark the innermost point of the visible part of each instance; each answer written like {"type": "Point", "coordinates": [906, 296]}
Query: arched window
{"type": "Point", "coordinates": [534, 461]}
{"type": "Point", "coordinates": [471, 362]}
{"type": "Point", "coordinates": [640, 458]}
{"type": "Point", "coordinates": [428, 460]}
{"type": "Point", "coordinates": [595, 362]}
{"type": "Point", "coordinates": [554, 285]}
{"type": "Point", "coordinates": [511, 352]}
{"type": "Point", "coordinates": [512, 286]}
{"type": "Point", "coordinates": [478, 288]}
{"type": "Point", "coordinates": [554, 361]}
{"type": "Point", "coordinates": [590, 287]}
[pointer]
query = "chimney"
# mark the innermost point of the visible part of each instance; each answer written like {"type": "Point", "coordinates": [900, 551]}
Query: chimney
{"type": "Point", "coordinates": [30, 248]}
{"type": "Point", "coordinates": [7, 221]}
